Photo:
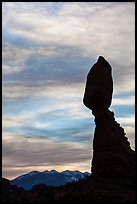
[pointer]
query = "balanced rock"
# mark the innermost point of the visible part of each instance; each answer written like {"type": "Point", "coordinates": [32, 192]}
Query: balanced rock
{"type": "Point", "coordinates": [112, 154]}
{"type": "Point", "coordinates": [99, 86]}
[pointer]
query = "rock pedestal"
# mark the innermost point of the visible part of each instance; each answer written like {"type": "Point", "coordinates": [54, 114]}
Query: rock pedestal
{"type": "Point", "coordinates": [112, 154]}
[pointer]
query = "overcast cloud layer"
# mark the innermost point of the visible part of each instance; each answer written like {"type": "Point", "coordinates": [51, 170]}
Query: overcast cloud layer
{"type": "Point", "coordinates": [48, 49]}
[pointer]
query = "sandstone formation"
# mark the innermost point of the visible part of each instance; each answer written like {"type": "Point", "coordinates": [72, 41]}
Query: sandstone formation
{"type": "Point", "coordinates": [112, 154]}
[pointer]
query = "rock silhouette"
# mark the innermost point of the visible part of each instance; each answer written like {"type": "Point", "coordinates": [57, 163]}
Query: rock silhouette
{"type": "Point", "coordinates": [112, 154]}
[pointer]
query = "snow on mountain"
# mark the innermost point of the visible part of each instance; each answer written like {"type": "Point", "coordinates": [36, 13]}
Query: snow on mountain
{"type": "Point", "coordinates": [50, 178]}
{"type": "Point", "coordinates": [32, 173]}
{"type": "Point", "coordinates": [74, 175]}
{"type": "Point", "coordinates": [54, 171]}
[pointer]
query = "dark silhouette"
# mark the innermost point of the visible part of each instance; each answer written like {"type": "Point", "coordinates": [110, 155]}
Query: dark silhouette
{"type": "Point", "coordinates": [112, 154]}
{"type": "Point", "coordinates": [99, 86]}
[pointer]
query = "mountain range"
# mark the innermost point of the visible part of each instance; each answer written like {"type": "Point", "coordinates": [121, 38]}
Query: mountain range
{"type": "Point", "coordinates": [50, 178]}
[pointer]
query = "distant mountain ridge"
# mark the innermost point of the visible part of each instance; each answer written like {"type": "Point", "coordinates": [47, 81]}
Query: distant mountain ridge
{"type": "Point", "coordinates": [50, 178]}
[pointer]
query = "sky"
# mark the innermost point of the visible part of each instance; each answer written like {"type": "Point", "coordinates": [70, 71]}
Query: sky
{"type": "Point", "coordinates": [48, 49]}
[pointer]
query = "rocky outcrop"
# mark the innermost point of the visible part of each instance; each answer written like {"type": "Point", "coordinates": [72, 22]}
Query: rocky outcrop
{"type": "Point", "coordinates": [112, 154]}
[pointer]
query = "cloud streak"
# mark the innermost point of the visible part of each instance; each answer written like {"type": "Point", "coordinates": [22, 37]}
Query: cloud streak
{"type": "Point", "coordinates": [55, 34]}
{"type": "Point", "coordinates": [50, 153]}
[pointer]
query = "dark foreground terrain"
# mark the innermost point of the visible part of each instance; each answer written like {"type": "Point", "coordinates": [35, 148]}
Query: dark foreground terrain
{"type": "Point", "coordinates": [91, 189]}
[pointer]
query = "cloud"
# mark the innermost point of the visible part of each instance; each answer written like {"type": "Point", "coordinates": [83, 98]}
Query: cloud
{"type": "Point", "coordinates": [36, 60]}
{"type": "Point", "coordinates": [52, 121]}
{"type": "Point", "coordinates": [8, 70]}
{"type": "Point", "coordinates": [130, 120]}
{"type": "Point", "coordinates": [124, 101]}
{"type": "Point", "coordinates": [17, 90]}
{"type": "Point", "coordinates": [14, 54]}
{"type": "Point", "coordinates": [69, 24]}
{"type": "Point", "coordinates": [22, 156]}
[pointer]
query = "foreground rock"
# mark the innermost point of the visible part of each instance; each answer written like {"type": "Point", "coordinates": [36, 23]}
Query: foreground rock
{"type": "Point", "coordinates": [106, 190]}
{"type": "Point", "coordinates": [112, 154]}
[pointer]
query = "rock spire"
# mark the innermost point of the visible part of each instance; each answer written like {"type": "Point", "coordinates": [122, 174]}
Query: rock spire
{"type": "Point", "coordinates": [112, 154]}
